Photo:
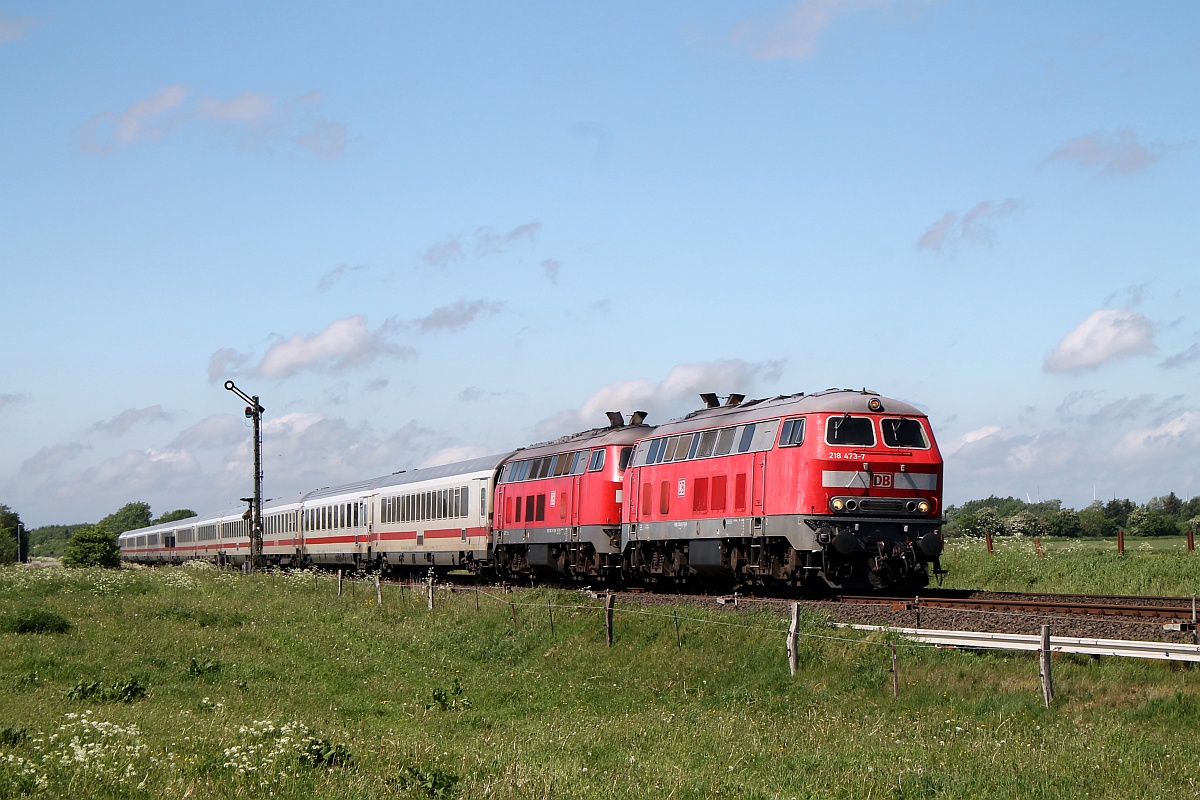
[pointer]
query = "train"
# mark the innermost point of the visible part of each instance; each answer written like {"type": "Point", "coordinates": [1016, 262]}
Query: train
{"type": "Point", "coordinates": [836, 489]}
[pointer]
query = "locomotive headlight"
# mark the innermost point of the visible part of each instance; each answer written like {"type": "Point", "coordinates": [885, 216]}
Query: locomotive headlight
{"type": "Point", "coordinates": [874, 404]}
{"type": "Point", "coordinates": [837, 504]}
{"type": "Point", "coordinates": [923, 507]}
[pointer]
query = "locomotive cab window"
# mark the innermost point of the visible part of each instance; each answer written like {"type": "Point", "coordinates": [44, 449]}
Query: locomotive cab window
{"type": "Point", "coordinates": [848, 431]}
{"type": "Point", "coordinates": [597, 462]}
{"type": "Point", "coordinates": [793, 432]}
{"type": "Point", "coordinates": [904, 432]}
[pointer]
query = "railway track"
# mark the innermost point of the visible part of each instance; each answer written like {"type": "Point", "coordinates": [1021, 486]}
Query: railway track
{"type": "Point", "coordinates": [1148, 608]}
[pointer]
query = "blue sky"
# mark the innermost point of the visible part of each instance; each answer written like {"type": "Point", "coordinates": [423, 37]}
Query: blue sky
{"type": "Point", "coordinates": [428, 231]}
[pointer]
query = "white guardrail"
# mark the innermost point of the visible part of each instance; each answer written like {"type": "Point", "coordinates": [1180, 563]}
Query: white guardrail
{"type": "Point", "coordinates": [1167, 651]}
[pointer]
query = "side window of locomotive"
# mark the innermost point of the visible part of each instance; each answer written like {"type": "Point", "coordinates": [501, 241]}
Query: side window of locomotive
{"type": "Point", "coordinates": [793, 433]}
{"type": "Point", "coordinates": [597, 462]}
{"type": "Point", "coordinates": [848, 431]}
{"type": "Point", "coordinates": [747, 437]}
{"type": "Point", "coordinates": [683, 447]}
{"type": "Point", "coordinates": [708, 441]}
{"type": "Point", "coordinates": [724, 441]}
{"type": "Point", "coordinates": [626, 454]}
{"type": "Point", "coordinates": [904, 432]}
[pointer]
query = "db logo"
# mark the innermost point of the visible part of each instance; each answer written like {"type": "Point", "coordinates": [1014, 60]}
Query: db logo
{"type": "Point", "coordinates": [881, 479]}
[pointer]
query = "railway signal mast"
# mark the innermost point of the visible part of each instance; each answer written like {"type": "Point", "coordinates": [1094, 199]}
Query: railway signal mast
{"type": "Point", "coordinates": [254, 412]}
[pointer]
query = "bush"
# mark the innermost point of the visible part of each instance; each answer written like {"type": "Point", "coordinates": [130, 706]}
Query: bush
{"type": "Point", "coordinates": [93, 546]}
{"type": "Point", "coordinates": [35, 620]}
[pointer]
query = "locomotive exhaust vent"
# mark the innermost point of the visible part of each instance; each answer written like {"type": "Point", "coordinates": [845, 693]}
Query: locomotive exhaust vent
{"type": "Point", "coordinates": [615, 420]}
{"type": "Point", "coordinates": [735, 399]}
{"type": "Point", "coordinates": [710, 400]}
{"type": "Point", "coordinates": [637, 418]}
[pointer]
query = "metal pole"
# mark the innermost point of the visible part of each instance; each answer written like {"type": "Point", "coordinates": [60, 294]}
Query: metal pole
{"type": "Point", "coordinates": [254, 412]}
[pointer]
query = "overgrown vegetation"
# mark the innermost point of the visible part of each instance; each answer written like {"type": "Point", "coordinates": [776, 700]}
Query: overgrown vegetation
{"type": "Point", "coordinates": [1010, 516]}
{"type": "Point", "coordinates": [293, 692]}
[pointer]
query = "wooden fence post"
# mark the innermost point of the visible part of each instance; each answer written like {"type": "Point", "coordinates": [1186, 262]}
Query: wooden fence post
{"type": "Point", "coordinates": [793, 640]}
{"type": "Point", "coordinates": [679, 639]}
{"type": "Point", "coordinates": [1120, 541]}
{"type": "Point", "coordinates": [1191, 540]}
{"type": "Point", "coordinates": [429, 601]}
{"type": "Point", "coordinates": [608, 617]}
{"type": "Point", "coordinates": [476, 598]}
{"type": "Point", "coordinates": [339, 583]}
{"type": "Point", "coordinates": [895, 674]}
{"type": "Point", "coordinates": [1037, 543]}
{"type": "Point", "coordinates": [550, 608]}
{"type": "Point", "coordinates": [378, 592]}
{"type": "Point", "coordinates": [987, 537]}
{"type": "Point", "coordinates": [1047, 682]}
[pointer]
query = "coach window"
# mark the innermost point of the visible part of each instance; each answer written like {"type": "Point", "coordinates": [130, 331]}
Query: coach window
{"type": "Point", "coordinates": [724, 441]}
{"type": "Point", "coordinates": [849, 431]}
{"type": "Point", "coordinates": [597, 462]}
{"type": "Point", "coordinates": [904, 432]}
{"type": "Point", "coordinates": [793, 432]}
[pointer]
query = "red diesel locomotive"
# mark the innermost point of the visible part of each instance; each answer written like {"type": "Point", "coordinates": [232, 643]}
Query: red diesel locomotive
{"type": "Point", "coordinates": [840, 486]}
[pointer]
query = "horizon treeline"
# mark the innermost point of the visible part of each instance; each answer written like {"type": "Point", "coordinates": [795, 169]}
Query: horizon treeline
{"type": "Point", "coordinates": [1165, 515]}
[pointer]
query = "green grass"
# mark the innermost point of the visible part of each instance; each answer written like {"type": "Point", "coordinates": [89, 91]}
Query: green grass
{"type": "Point", "coordinates": [1149, 567]}
{"type": "Point", "coordinates": [273, 685]}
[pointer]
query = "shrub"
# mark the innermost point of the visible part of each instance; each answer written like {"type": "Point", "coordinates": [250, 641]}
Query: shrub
{"type": "Point", "coordinates": [36, 620]}
{"type": "Point", "coordinates": [125, 691]}
{"type": "Point", "coordinates": [93, 546]}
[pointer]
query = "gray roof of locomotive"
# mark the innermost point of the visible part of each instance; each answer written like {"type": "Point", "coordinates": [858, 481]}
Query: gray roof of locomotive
{"type": "Point", "coordinates": [852, 401]}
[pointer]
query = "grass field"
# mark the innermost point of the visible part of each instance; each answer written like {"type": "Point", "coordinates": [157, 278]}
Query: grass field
{"type": "Point", "coordinates": [272, 686]}
{"type": "Point", "coordinates": [1149, 567]}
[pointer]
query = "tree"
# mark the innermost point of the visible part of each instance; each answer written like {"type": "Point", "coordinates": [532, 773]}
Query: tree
{"type": "Point", "coordinates": [1024, 523]}
{"type": "Point", "coordinates": [1064, 522]}
{"type": "Point", "coordinates": [93, 546]}
{"type": "Point", "coordinates": [9, 530]}
{"type": "Point", "coordinates": [1095, 522]}
{"type": "Point", "coordinates": [128, 517]}
{"type": "Point", "coordinates": [1144, 522]}
{"type": "Point", "coordinates": [1168, 504]}
{"type": "Point", "coordinates": [1118, 511]}
{"type": "Point", "coordinates": [172, 516]}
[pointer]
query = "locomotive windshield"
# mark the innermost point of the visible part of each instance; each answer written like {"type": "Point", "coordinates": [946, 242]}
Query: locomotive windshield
{"type": "Point", "coordinates": [904, 432]}
{"type": "Point", "coordinates": [850, 431]}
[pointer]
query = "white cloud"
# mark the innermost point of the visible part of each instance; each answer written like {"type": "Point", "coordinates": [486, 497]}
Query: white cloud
{"type": "Point", "coordinates": [345, 343]}
{"type": "Point", "coordinates": [485, 241]}
{"type": "Point", "coordinates": [216, 430]}
{"type": "Point", "coordinates": [1188, 356]}
{"type": "Point", "coordinates": [450, 455]}
{"type": "Point", "coordinates": [225, 362]}
{"type": "Point", "coordinates": [7, 400]}
{"type": "Point", "coordinates": [791, 33]}
{"type": "Point", "coordinates": [1110, 154]}
{"type": "Point", "coordinates": [1106, 335]}
{"type": "Point", "coordinates": [257, 121]}
{"type": "Point", "coordinates": [51, 457]}
{"type": "Point", "coordinates": [127, 419]}
{"type": "Point", "coordinates": [974, 226]}
{"type": "Point", "coordinates": [456, 317]}
{"type": "Point", "coordinates": [970, 437]}
{"type": "Point", "coordinates": [132, 474]}
{"type": "Point", "coordinates": [674, 395]}
{"type": "Point", "coordinates": [13, 29]}
{"type": "Point", "coordinates": [1180, 434]}
{"type": "Point", "coordinates": [331, 278]}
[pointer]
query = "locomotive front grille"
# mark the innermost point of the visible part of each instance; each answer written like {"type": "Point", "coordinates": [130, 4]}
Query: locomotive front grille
{"type": "Point", "coordinates": [873, 505]}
